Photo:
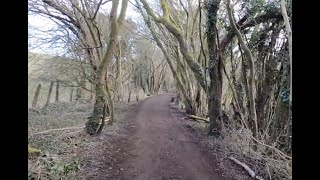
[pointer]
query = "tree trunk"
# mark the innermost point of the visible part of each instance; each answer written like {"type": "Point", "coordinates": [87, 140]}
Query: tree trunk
{"type": "Point", "coordinates": [177, 100]}
{"type": "Point", "coordinates": [198, 101]}
{"type": "Point", "coordinates": [129, 97]}
{"type": "Point", "coordinates": [244, 89]}
{"type": "Point", "coordinates": [92, 124]}
{"type": "Point", "coordinates": [137, 95]}
{"type": "Point", "coordinates": [215, 71]}
{"type": "Point", "coordinates": [104, 115]}
{"type": "Point", "coordinates": [49, 94]}
{"type": "Point", "coordinates": [153, 80]}
{"type": "Point", "coordinates": [101, 84]}
{"type": "Point", "coordinates": [80, 91]}
{"type": "Point", "coordinates": [289, 33]}
{"type": "Point", "coordinates": [118, 81]}
{"type": "Point", "coordinates": [91, 93]}
{"type": "Point", "coordinates": [175, 31]}
{"type": "Point", "coordinates": [57, 91]}
{"type": "Point", "coordinates": [71, 94]}
{"type": "Point", "coordinates": [214, 100]}
{"type": "Point", "coordinates": [36, 96]}
{"type": "Point", "coordinates": [253, 111]}
{"type": "Point", "coordinates": [174, 72]}
{"type": "Point", "coordinates": [111, 105]}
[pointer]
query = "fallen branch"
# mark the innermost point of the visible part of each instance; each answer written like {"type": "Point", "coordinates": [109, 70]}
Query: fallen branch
{"type": "Point", "coordinates": [62, 129]}
{"type": "Point", "coordinates": [198, 118]}
{"type": "Point", "coordinates": [250, 171]}
{"type": "Point", "coordinates": [59, 129]}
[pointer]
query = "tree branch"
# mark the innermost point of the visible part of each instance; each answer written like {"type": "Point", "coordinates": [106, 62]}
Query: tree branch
{"type": "Point", "coordinates": [255, 21]}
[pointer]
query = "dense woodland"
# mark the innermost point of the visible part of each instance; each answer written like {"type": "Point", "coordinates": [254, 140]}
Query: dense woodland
{"type": "Point", "coordinates": [229, 62]}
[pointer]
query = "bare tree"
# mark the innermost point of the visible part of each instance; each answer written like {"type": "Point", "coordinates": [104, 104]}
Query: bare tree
{"type": "Point", "coordinates": [82, 19]}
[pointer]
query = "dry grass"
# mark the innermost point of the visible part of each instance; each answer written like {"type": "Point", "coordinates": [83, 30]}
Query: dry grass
{"type": "Point", "coordinates": [59, 155]}
{"type": "Point", "coordinates": [264, 160]}
{"type": "Point", "coordinates": [63, 151]}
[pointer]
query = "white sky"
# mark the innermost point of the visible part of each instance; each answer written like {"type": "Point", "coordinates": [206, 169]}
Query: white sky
{"type": "Point", "coordinates": [44, 24]}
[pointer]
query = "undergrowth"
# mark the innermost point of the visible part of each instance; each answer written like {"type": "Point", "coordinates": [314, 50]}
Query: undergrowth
{"type": "Point", "coordinates": [264, 159]}
{"type": "Point", "coordinates": [57, 131]}
{"type": "Point", "coordinates": [60, 156]}
{"type": "Point", "coordinates": [238, 142]}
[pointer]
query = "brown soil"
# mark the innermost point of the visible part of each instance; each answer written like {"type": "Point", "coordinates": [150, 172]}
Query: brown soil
{"type": "Point", "coordinates": [155, 146]}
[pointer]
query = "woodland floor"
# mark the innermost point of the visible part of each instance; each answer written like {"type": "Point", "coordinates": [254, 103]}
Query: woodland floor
{"type": "Point", "coordinates": [151, 140]}
{"type": "Point", "coordinates": [155, 144]}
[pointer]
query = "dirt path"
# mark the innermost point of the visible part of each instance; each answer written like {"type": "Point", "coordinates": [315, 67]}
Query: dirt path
{"type": "Point", "coordinates": [159, 148]}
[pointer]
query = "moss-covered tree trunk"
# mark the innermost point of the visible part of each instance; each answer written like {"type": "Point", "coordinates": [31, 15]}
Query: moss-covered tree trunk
{"type": "Point", "coordinates": [101, 85]}
{"type": "Point", "coordinates": [36, 96]}
{"type": "Point", "coordinates": [92, 124]}
{"type": "Point", "coordinates": [103, 107]}
{"type": "Point", "coordinates": [215, 70]}
{"type": "Point", "coordinates": [49, 93]}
